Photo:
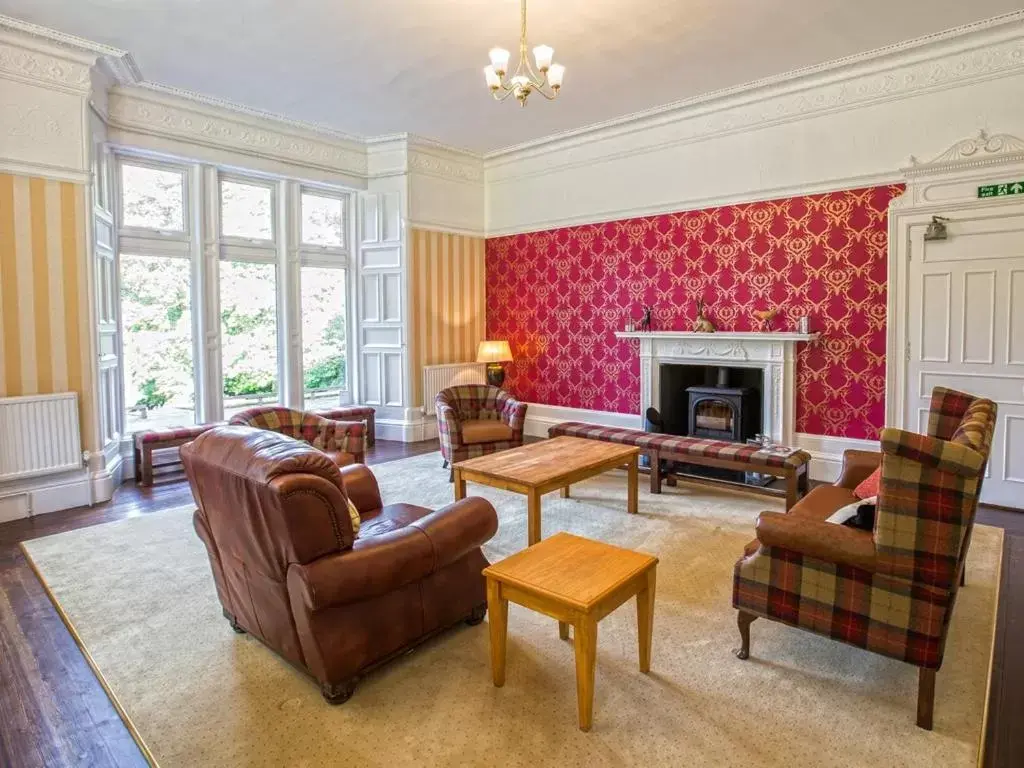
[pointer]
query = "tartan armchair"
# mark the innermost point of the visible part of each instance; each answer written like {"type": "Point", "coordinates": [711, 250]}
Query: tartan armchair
{"type": "Point", "coordinates": [342, 441]}
{"type": "Point", "coordinates": [476, 419]}
{"type": "Point", "coordinates": [890, 590]}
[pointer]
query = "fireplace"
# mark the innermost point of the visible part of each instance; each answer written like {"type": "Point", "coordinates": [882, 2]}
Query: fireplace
{"type": "Point", "coordinates": [723, 413]}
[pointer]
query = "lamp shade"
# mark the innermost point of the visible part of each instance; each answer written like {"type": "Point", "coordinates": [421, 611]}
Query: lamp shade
{"type": "Point", "coordinates": [493, 352]}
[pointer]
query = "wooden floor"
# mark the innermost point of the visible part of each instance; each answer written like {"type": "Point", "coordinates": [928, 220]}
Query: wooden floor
{"type": "Point", "coordinates": [53, 711]}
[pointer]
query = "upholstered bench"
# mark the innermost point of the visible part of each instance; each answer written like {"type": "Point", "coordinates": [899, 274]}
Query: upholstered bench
{"type": "Point", "coordinates": [157, 439]}
{"type": "Point", "coordinates": [363, 413]}
{"type": "Point", "coordinates": [791, 465]}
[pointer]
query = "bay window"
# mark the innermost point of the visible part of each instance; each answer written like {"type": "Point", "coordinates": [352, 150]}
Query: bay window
{"type": "Point", "coordinates": [234, 292]}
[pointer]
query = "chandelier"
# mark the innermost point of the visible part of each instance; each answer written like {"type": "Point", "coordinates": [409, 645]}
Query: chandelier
{"type": "Point", "coordinates": [525, 80]}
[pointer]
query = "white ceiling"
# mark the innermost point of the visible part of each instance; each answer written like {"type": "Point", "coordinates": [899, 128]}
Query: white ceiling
{"type": "Point", "coordinates": [372, 67]}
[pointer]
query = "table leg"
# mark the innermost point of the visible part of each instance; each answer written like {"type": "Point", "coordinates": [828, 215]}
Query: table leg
{"type": "Point", "coordinates": [563, 630]}
{"type": "Point", "coordinates": [147, 465]}
{"type": "Point", "coordinates": [791, 489]}
{"type": "Point", "coordinates": [585, 643]}
{"type": "Point", "coordinates": [460, 485]}
{"type": "Point", "coordinates": [497, 620]}
{"type": "Point", "coordinates": [633, 491]}
{"type": "Point", "coordinates": [565, 492]}
{"type": "Point", "coordinates": [533, 511]}
{"type": "Point", "coordinates": [645, 619]}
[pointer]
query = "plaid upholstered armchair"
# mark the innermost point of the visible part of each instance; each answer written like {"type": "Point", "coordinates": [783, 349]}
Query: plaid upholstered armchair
{"type": "Point", "coordinates": [342, 441]}
{"type": "Point", "coordinates": [890, 590]}
{"type": "Point", "coordinates": [476, 419]}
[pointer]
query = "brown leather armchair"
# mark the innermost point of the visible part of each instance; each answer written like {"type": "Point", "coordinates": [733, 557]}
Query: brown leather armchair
{"type": "Point", "coordinates": [289, 570]}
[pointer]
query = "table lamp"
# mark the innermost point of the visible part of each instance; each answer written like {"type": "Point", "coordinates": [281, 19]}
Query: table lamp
{"type": "Point", "coordinates": [494, 353]}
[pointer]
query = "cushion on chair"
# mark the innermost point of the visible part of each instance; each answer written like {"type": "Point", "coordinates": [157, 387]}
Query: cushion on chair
{"type": "Point", "coordinates": [353, 514]}
{"type": "Point", "coordinates": [868, 487]}
{"type": "Point", "coordinates": [485, 431]}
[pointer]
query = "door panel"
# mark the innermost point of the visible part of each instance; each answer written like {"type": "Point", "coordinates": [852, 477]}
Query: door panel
{"type": "Point", "coordinates": [966, 331]}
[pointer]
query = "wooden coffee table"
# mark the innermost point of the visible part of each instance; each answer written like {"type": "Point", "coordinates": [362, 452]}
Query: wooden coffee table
{"type": "Point", "coordinates": [538, 468]}
{"type": "Point", "coordinates": [578, 582]}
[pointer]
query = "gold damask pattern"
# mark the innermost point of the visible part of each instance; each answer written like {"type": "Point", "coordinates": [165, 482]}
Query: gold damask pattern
{"type": "Point", "coordinates": [559, 296]}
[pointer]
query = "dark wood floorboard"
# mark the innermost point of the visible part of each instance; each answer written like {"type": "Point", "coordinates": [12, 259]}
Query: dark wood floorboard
{"type": "Point", "coordinates": [53, 711]}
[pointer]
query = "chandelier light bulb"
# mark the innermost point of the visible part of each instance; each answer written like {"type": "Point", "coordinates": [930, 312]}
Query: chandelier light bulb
{"type": "Point", "coordinates": [492, 77]}
{"type": "Point", "coordinates": [543, 54]}
{"type": "Point", "coordinates": [555, 74]}
{"type": "Point", "coordinates": [520, 81]}
{"type": "Point", "coordinates": [499, 60]}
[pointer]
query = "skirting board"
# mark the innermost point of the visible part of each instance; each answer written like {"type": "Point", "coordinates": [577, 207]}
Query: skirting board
{"type": "Point", "coordinates": [826, 452]}
{"type": "Point", "coordinates": [39, 496]}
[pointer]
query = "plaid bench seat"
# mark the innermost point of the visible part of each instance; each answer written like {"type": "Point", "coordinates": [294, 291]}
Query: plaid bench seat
{"type": "Point", "coordinates": [150, 440]}
{"type": "Point", "coordinates": [791, 465]}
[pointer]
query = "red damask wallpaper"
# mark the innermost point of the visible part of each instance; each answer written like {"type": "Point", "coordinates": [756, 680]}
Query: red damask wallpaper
{"type": "Point", "coordinates": [559, 296]}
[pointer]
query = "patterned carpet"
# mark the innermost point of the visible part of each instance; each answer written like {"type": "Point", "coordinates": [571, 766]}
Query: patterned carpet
{"type": "Point", "coordinates": [139, 595]}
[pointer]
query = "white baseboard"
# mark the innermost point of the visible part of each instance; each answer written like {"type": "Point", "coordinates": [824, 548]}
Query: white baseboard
{"type": "Point", "coordinates": [42, 495]}
{"type": "Point", "coordinates": [826, 452]}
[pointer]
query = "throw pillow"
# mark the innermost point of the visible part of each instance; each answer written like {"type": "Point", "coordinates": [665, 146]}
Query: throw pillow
{"type": "Point", "coordinates": [869, 485]}
{"type": "Point", "coordinates": [353, 515]}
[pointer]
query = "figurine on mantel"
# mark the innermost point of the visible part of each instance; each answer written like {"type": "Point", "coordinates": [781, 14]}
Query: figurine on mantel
{"type": "Point", "coordinates": [702, 324]}
{"type": "Point", "coordinates": [645, 321]}
{"type": "Point", "coordinates": [766, 316]}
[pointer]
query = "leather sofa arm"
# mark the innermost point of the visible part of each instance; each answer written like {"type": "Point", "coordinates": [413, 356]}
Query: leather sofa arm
{"type": "Point", "coordinates": [377, 565]}
{"type": "Point", "coordinates": [459, 528]}
{"type": "Point", "coordinates": [815, 538]}
{"type": "Point", "coordinates": [361, 487]}
{"type": "Point", "coordinates": [857, 465]}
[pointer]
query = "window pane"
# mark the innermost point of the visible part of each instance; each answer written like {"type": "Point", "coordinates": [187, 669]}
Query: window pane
{"type": "Point", "coordinates": [323, 220]}
{"type": "Point", "coordinates": [324, 368]}
{"type": "Point", "coordinates": [156, 319]}
{"type": "Point", "coordinates": [248, 328]}
{"type": "Point", "coordinates": [246, 210]}
{"type": "Point", "coordinates": [152, 198]}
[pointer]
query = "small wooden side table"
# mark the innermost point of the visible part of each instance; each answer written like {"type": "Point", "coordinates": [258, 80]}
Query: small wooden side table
{"type": "Point", "coordinates": [578, 582]}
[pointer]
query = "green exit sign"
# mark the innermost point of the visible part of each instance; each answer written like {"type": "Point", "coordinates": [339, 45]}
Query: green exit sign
{"type": "Point", "coordinates": [1002, 190]}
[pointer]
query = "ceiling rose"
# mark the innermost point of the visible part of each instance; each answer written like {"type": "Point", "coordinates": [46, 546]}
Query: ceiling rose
{"type": "Point", "coordinates": [525, 79]}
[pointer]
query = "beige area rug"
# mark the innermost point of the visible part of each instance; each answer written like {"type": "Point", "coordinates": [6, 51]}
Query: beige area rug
{"type": "Point", "coordinates": [139, 595]}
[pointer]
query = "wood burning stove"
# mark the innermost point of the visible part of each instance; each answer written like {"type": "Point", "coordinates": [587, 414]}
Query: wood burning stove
{"type": "Point", "coordinates": [723, 413]}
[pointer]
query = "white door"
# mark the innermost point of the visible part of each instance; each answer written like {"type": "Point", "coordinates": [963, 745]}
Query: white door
{"type": "Point", "coordinates": [966, 331]}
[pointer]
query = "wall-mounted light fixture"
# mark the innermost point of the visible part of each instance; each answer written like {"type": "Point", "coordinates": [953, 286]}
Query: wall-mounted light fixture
{"type": "Point", "coordinates": [937, 229]}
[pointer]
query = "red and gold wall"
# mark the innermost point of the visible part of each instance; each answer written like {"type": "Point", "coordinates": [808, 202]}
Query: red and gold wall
{"type": "Point", "coordinates": [559, 296]}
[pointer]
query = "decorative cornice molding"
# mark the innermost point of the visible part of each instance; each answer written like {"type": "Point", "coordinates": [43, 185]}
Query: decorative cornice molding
{"type": "Point", "coordinates": [160, 112]}
{"type": "Point", "coordinates": [462, 167]}
{"type": "Point", "coordinates": [35, 53]}
{"type": "Point", "coordinates": [967, 54]}
{"type": "Point", "coordinates": [976, 152]}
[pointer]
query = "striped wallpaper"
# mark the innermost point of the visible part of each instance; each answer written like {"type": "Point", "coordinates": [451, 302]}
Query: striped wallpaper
{"type": "Point", "coordinates": [44, 298]}
{"type": "Point", "coordinates": [447, 286]}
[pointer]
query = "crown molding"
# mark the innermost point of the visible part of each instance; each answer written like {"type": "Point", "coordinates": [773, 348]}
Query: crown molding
{"type": "Point", "coordinates": [979, 151]}
{"type": "Point", "coordinates": [970, 53]}
{"type": "Point", "coordinates": [33, 53]}
{"type": "Point", "coordinates": [436, 159]}
{"type": "Point", "coordinates": [179, 115]}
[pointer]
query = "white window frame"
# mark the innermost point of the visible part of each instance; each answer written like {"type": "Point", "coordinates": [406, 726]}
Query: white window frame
{"type": "Point", "coordinates": [203, 245]}
{"type": "Point", "coordinates": [238, 241]}
{"type": "Point", "coordinates": [142, 161]}
{"type": "Point", "coordinates": [329, 257]}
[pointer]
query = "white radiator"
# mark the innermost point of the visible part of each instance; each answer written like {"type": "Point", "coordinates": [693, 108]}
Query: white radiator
{"type": "Point", "coordinates": [438, 377]}
{"type": "Point", "coordinates": [39, 435]}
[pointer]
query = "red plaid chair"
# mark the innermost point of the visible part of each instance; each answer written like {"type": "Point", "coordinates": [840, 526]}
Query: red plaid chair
{"type": "Point", "coordinates": [341, 440]}
{"type": "Point", "coordinates": [476, 419]}
{"type": "Point", "coordinates": [890, 590]}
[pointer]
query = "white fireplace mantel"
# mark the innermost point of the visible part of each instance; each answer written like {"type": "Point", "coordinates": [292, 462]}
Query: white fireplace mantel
{"type": "Point", "coordinates": [772, 352]}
